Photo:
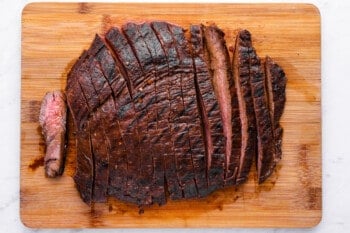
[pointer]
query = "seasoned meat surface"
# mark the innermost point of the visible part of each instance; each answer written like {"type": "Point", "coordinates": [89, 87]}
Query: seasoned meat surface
{"type": "Point", "coordinates": [162, 113]}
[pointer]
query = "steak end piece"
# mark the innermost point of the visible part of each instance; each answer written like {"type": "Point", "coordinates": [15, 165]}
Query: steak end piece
{"type": "Point", "coordinates": [52, 120]}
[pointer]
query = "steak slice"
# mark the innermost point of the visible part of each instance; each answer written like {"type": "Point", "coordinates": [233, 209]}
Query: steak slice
{"type": "Point", "coordinates": [241, 65]}
{"type": "Point", "coordinates": [52, 119]}
{"type": "Point", "coordinates": [265, 143]}
{"type": "Point", "coordinates": [276, 88]}
{"type": "Point", "coordinates": [222, 159]}
{"type": "Point", "coordinates": [208, 104]}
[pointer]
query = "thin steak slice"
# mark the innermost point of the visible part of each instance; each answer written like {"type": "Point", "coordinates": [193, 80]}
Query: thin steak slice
{"type": "Point", "coordinates": [52, 119]}
{"type": "Point", "coordinates": [241, 66]}
{"type": "Point", "coordinates": [222, 163]}
{"type": "Point", "coordinates": [104, 76]}
{"type": "Point", "coordinates": [276, 88]}
{"type": "Point", "coordinates": [78, 105]}
{"type": "Point", "coordinates": [208, 105]}
{"type": "Point", "coordinates": [265, 143]}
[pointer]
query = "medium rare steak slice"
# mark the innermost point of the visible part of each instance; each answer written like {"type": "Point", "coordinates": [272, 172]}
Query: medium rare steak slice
{"type": "Point", "coordinates": [276, 88]}
{"type": "Point", "coordinates": [52, 119]}
{"type": "Point", "coordinates": [241, 66]}
{"type": "Point", "coordinates": [222, 158]}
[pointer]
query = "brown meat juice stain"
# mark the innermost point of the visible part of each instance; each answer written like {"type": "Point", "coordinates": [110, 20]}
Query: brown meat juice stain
{"type": "Point", "coordinates": [216, 201]}
{"type": "Point", "coordinates": [38, 162]}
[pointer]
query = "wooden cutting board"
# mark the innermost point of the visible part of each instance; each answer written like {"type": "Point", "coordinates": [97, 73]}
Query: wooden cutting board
{"type": "Point", "coordinates": [54, 35]}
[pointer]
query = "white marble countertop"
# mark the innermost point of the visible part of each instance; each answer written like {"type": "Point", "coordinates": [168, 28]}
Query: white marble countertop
{"type": "Point", "coordinates": [335, 17]}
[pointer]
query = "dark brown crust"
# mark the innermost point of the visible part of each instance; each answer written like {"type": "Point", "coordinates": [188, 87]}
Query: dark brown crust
{"type": "Point", "coordinates": [147, 102]}
{"type": "Point", "coordinates": [241, 64]}
{"type": "Point", "coordinates": [207, 102]}
{"type": "Point", "coordinates": [172, 84]}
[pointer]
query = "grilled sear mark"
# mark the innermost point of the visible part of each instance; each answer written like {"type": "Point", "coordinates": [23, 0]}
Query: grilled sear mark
{"type": "Point", "coordinates": [127, 62]}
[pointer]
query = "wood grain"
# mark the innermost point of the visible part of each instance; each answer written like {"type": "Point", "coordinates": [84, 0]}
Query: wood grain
{"type": "Point", "coordinates": [54, 35]}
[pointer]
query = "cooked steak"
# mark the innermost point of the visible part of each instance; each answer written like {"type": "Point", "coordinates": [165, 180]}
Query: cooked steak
{"type": "Point", "coordinates": [208, 106]}
{"type": "Point", "coordinates": [265, 158]}
{"type": "Point", "coordinates": [159, 116]}
{"type": "Point", "coordinates": [276, 88]}
{"type": "Point", "coordinates": [241, 66]}
{"type": "Point", "coordinates": [188, 140]}
{"type": "Point", "coordinates": [52, 119]}
{"type": "Point", "coordinates": [170, 84]}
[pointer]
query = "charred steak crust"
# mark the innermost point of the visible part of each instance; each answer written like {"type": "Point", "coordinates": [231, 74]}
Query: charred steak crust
{"type": "Point", "coordinates": [158, 115]}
